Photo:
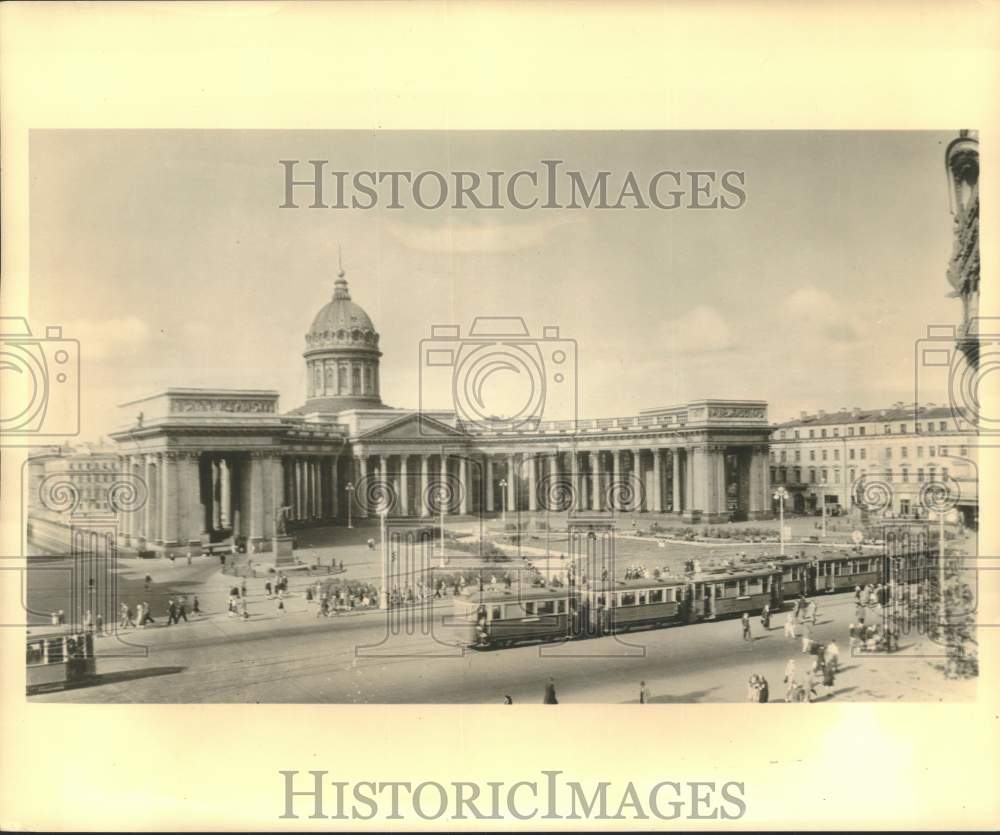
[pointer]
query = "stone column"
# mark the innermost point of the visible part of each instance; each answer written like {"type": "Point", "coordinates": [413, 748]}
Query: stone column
{"type": "Point", "coordinates": [690, 502]}
{"type": "Point", "coordinates": [463, 481]}
{"type": "Point", "coordinates": [532, 484]}
{"type": "Point", "coordinates": [718, 453]}
{"type": "Point", "coordinates": [488, 469]}
{"type": "Point", "coordinates": [574, 476]}
{"type": "Point", "coordinates": [675, 459]}
{"type": "Point", "coordinates": [425, 464]}
{"type": "Point", "coordinates": [404, 487]}
{"type": "Point", "coordinates": [362, 461]}
{"type": "Point", "coordinates": [657, 482]}
{"type": "Point", "coordinates": [639, 505]}
{"type": "Point", "coordinates": [595, 480]}
{"type": "Point", "coordinates": [256, 504]}
{"type": "Point", "coordinates": [193, 511]}
{"type": "Point", "coordinates": [169, 526]}
{"type": "Point", "coordinates": [511, 478]}
{"type": "Point", "coordinates": [148, 530]}
{"type": "Point", "coordinates": [125, 527]}
{"type": "Point", "coordinates": [334, 487]}
{"type": "Point", "coordinates": [443, 477]}
{"type": "Point", "coordinates": [225, 494]}
{"type": "Point", "coordinates": [616, 478]}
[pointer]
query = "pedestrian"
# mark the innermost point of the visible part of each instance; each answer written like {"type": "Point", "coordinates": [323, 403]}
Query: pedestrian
{"type": "Point", "coordinates": [791, 679]}
{"type": "Point", "coordinates": [753, 691]}
{"type": "Point", "coordinates": [764, 690]}
{"type": "Point", "coordinates": [100, 624]}
{"type": "Point", "coordinates": [765, 616]}
{"type": "Point", "coordinates": [643, 693]}
{"type": "Point", "coordinates": [281, 606]}
{"type": "Point", "coordinates": [267, 589]}
{"type": "Point", "coordinates": [181, 611]}
{"type": "Point", "coordinates": [171, 612]}
{"type": "Point", "coordinates": [507, 700]}
{"type": "Point", "coordinates": [146, 582]}
{"type": "Point", "coordinates": [195, 607]}
{"type": "Point", "coordinates": [811, 612]}
{"type": "Point", "coordinates": [853, 636]}
{"type": "Point", "coordinates": [244, 613]}
{"type": "Point", "coordinates": [806, 640]}
{"type": "Point", "coordinates": [243, 588]}
{"type": "Point", "coordinates": [790, 625]}
{"type": "Point", "coordinates": [832, 655]}
{"type": "Point", "coordinates": [550, 693]}
{"type": "Point", "coordinates": [828, 673]}
{"type": "Point", "coordinates": [745, 620]}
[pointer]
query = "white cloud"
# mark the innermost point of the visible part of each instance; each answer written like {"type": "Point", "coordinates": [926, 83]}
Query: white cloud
{"type": "Point", "coordinates": [700, 330]}
{"type": "Point", "coordinates": [820, 313]}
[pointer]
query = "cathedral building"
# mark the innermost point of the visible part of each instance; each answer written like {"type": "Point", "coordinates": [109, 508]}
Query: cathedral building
{"type": "Point", "coordinates": [220, 464]}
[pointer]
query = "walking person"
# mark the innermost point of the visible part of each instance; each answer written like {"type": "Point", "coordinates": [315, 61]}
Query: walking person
{"type": "Point", "coordinates": [507, 700]}
{"type": "Point", "coordinates": [243, 588]}
{"type": "Point", "coordinates": [791, 680]}
{"type": "Point", "coordinates": [765, 616]}
{"type": "Point", "coordinates": [832, 655]}
{"type": "Point", "coordinates": [171, 612]}
{"type": "Point", "coordinates": [181, 611]}
{"type": "Point", "coordinates": [790, 625]}
{"type": "Point", "coordinates": [643, 693]}
{"type": "Point", "coordinates": [746, 627]}
{"type": "Point", "coordinates": [550, 693]}
{"type": "Point", "coordinates": [195, 607]}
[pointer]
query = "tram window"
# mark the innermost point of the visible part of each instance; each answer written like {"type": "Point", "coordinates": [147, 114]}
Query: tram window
{"type": "Point", "coordinates": [765, 584]}
{"type": "Point", "coordinates": [628, 598]}
{"type": "Point", "coordinates": [730, 585]}
{"type": "Point", "coordinates": [529, 607]}
{"type": "Point", "coordinates": [642, 598]}
{"type": "Point", "coordinates": [600, 600]}
{"type": "Point", "coordinates": [495, 613]}
{"type": "Point", "coordinates": [656, 596]}
{"type": "Point", "coordinates": [743, 588]}
{"type": "Point", "coordinates": [547, 607]}
{"type": "Point", "coordinates": [561, 607]}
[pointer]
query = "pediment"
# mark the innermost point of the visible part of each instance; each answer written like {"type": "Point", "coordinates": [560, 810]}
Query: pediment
{"type": "Point", "coordinates": [413, 426]}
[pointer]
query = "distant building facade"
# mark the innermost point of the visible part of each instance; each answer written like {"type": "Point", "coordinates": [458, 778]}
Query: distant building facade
{"type": "Point", "coordinates": [900, 461]}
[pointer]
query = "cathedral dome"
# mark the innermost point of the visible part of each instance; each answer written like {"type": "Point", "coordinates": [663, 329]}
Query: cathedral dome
{"type": "Point", "coordinates": [342, 356]}
{"type": "Point", "coordinates": [341, 321]}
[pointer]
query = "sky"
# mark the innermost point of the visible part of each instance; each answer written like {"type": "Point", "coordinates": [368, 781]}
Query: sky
{"type": "Point", "coordinates": [167, 255]}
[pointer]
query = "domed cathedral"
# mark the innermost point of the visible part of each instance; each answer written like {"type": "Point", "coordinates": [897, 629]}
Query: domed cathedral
{"type": "Point", "coordinates": [342, 357]}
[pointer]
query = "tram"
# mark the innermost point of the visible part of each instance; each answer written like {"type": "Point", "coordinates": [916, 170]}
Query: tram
{"type": "Point", "coordinates": [504, 617]}
{"type": "Point", "coordinates": [57, 660]}
{"type": "Point", "coordinates": [733, 590]}
{"type": "Point", "coordinates": [633, 604]}
{"type": "Point", "coordinates": [843, 570]}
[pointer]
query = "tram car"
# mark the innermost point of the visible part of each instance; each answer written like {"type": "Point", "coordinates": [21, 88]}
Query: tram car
{"type": "Point", "coordinates": [58, 660]}
{"type": "Point", "coordinates": [632, 604]}
{"type": "Point", "coordinates": [733, 590]}
{"type": "Point", "coordinates": [798, 575]}
{"type": "Point", "coordinates": [843, 570]}
{"type": "Point", "coordinates": [505, 617]}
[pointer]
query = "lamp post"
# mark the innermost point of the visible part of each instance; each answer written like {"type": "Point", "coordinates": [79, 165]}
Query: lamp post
{"type": "Point", "coordinates": [350, 501]}
{"type": "Point", "coordinates": [382, 514]}
{"type": "Point", "coordinates": [503, 501]}
{"type": "Point", "coordinates": [781, 494]}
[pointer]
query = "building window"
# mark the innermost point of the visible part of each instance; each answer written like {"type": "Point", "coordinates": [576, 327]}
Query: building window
{"type": "Point", "coordinates": [824, 455]}
{"type": "Point", "coordinates": [822, 433]}
{"type": "Point", "coordinates": [906, 474]}
{"type": "Point", "coordinates": [783, 454]}
{"type": "Point", "coordinates": [812, 433]}
{"type": "Point", "coordinates": [798, 475]}
{"type": "Point", "coordinates": [887, 429]}
{"type": "Point", "coordinates": [943, 426]}
{"type": "Point", "coordinates": [904, 452]}
{"type": "Point", "coordinates": [931, 471]}
{"type": "Point", "coordinates": [965, 451]}
{"type": "Point", "coordinates": [944, 473]}
{"type": "Point", "coordinates": [861, 430]}
{"type": "Point", "coordinates": [902, 428]}
{"type": "Point", "coordinates": [824, 475]}
{"type": "Point", "coordinates": [943, 452]}
{"type": "Point", "coordinates": [920, 452]}
{"type": "Point", "coordinates": [774, 475]}
{"type": "Point", "coordinates": [920, 473]}
{"type": "Point", "coordinates": [836, 433]}
{"type": "Point", "coordinates": [850, 431]}
{"type": "Point", "coordinates": [850, 473]}
{"type": "Point", "coordinates": [812, 475]}
{"type": "Point", "coordinates": [850, 453]}
{"type": "Point", "coordinates": [796, 434]}
{"type": "Point", "coordinates": [864, 454]}
{"type": "Point", "coordinates": [798, 456]}
{"type": "Point", "coordinates": [836, 455]}
{"type": "Point", "coordinates": [836, 476]}
{"type": "Point", "coordinates": [930, 451]}
{"type": "Point", "coordinates": [812, 455]}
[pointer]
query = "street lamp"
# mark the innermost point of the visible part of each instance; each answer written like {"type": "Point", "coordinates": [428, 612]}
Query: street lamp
{"type": "Point", "coordinates": [350, 500]}
{"type": "Point", "coordinates": [503, 501]}
{"type": "Point", "coordinates": [781, 494]}
{"type": "Point", "coordinates": [382, 514]}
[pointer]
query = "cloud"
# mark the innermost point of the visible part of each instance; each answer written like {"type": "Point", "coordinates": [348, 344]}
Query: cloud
{"type": "Point", "coordinates": [101, 339]}
{"type": "Point", "coordinates": [479, 237]}
{"type": "Point", "coordinates": [700, 330]}
{"type": "Point", "coordinates": [821, 313]}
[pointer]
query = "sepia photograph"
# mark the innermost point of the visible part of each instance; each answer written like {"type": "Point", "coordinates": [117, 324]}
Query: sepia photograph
{"type": "Point", "coordinates": [503, 417]}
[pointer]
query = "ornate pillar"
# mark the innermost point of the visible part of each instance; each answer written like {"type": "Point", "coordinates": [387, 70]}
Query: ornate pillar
{"type": "Point", "coordinates": [192, 510]}
{"type": "Point", "coordinates": [691, 504]}
{"type": "Point", "coordinates": [488, 469]}
{"type": "Point", "coordinates": [256, 504]}
{"type": "Point", "coordinates": [616, 478]}
{"type": "Point", "coordinates": [334, 487]}
{"type": "Point", "coordinates": [595, 480]}
{"type": "Point", "coordinates": [225, 494]}
{"type": "Point", "coordinates": [657, 481]}
{"type": "Point", "coordinates": [148, 529]}
{"type": "Point", "coordinates": [675, 486]}
{"type": "Point", "coordinates": [404, 487]}
{"type": "Point", "coordinates": [463, 482]}
{"type": "Point", "coordinates": [574, 475]}
{"type": "Point", "coordinates": [719, 458]}
{"type": "Point", "coordinates": [425, 464]}
{"type": "Point", "coordinates": [532, 484]}
{"type": "Point", "coordinates": [362, 469]}
{"type": "Point", "coordinates": [511, 478]}
{"type": "Point", "coordinates": [169, 520]}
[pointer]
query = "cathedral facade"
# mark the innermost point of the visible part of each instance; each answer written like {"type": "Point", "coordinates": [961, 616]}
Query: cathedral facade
{"type": "Point", "coordinates": [226, 464]}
